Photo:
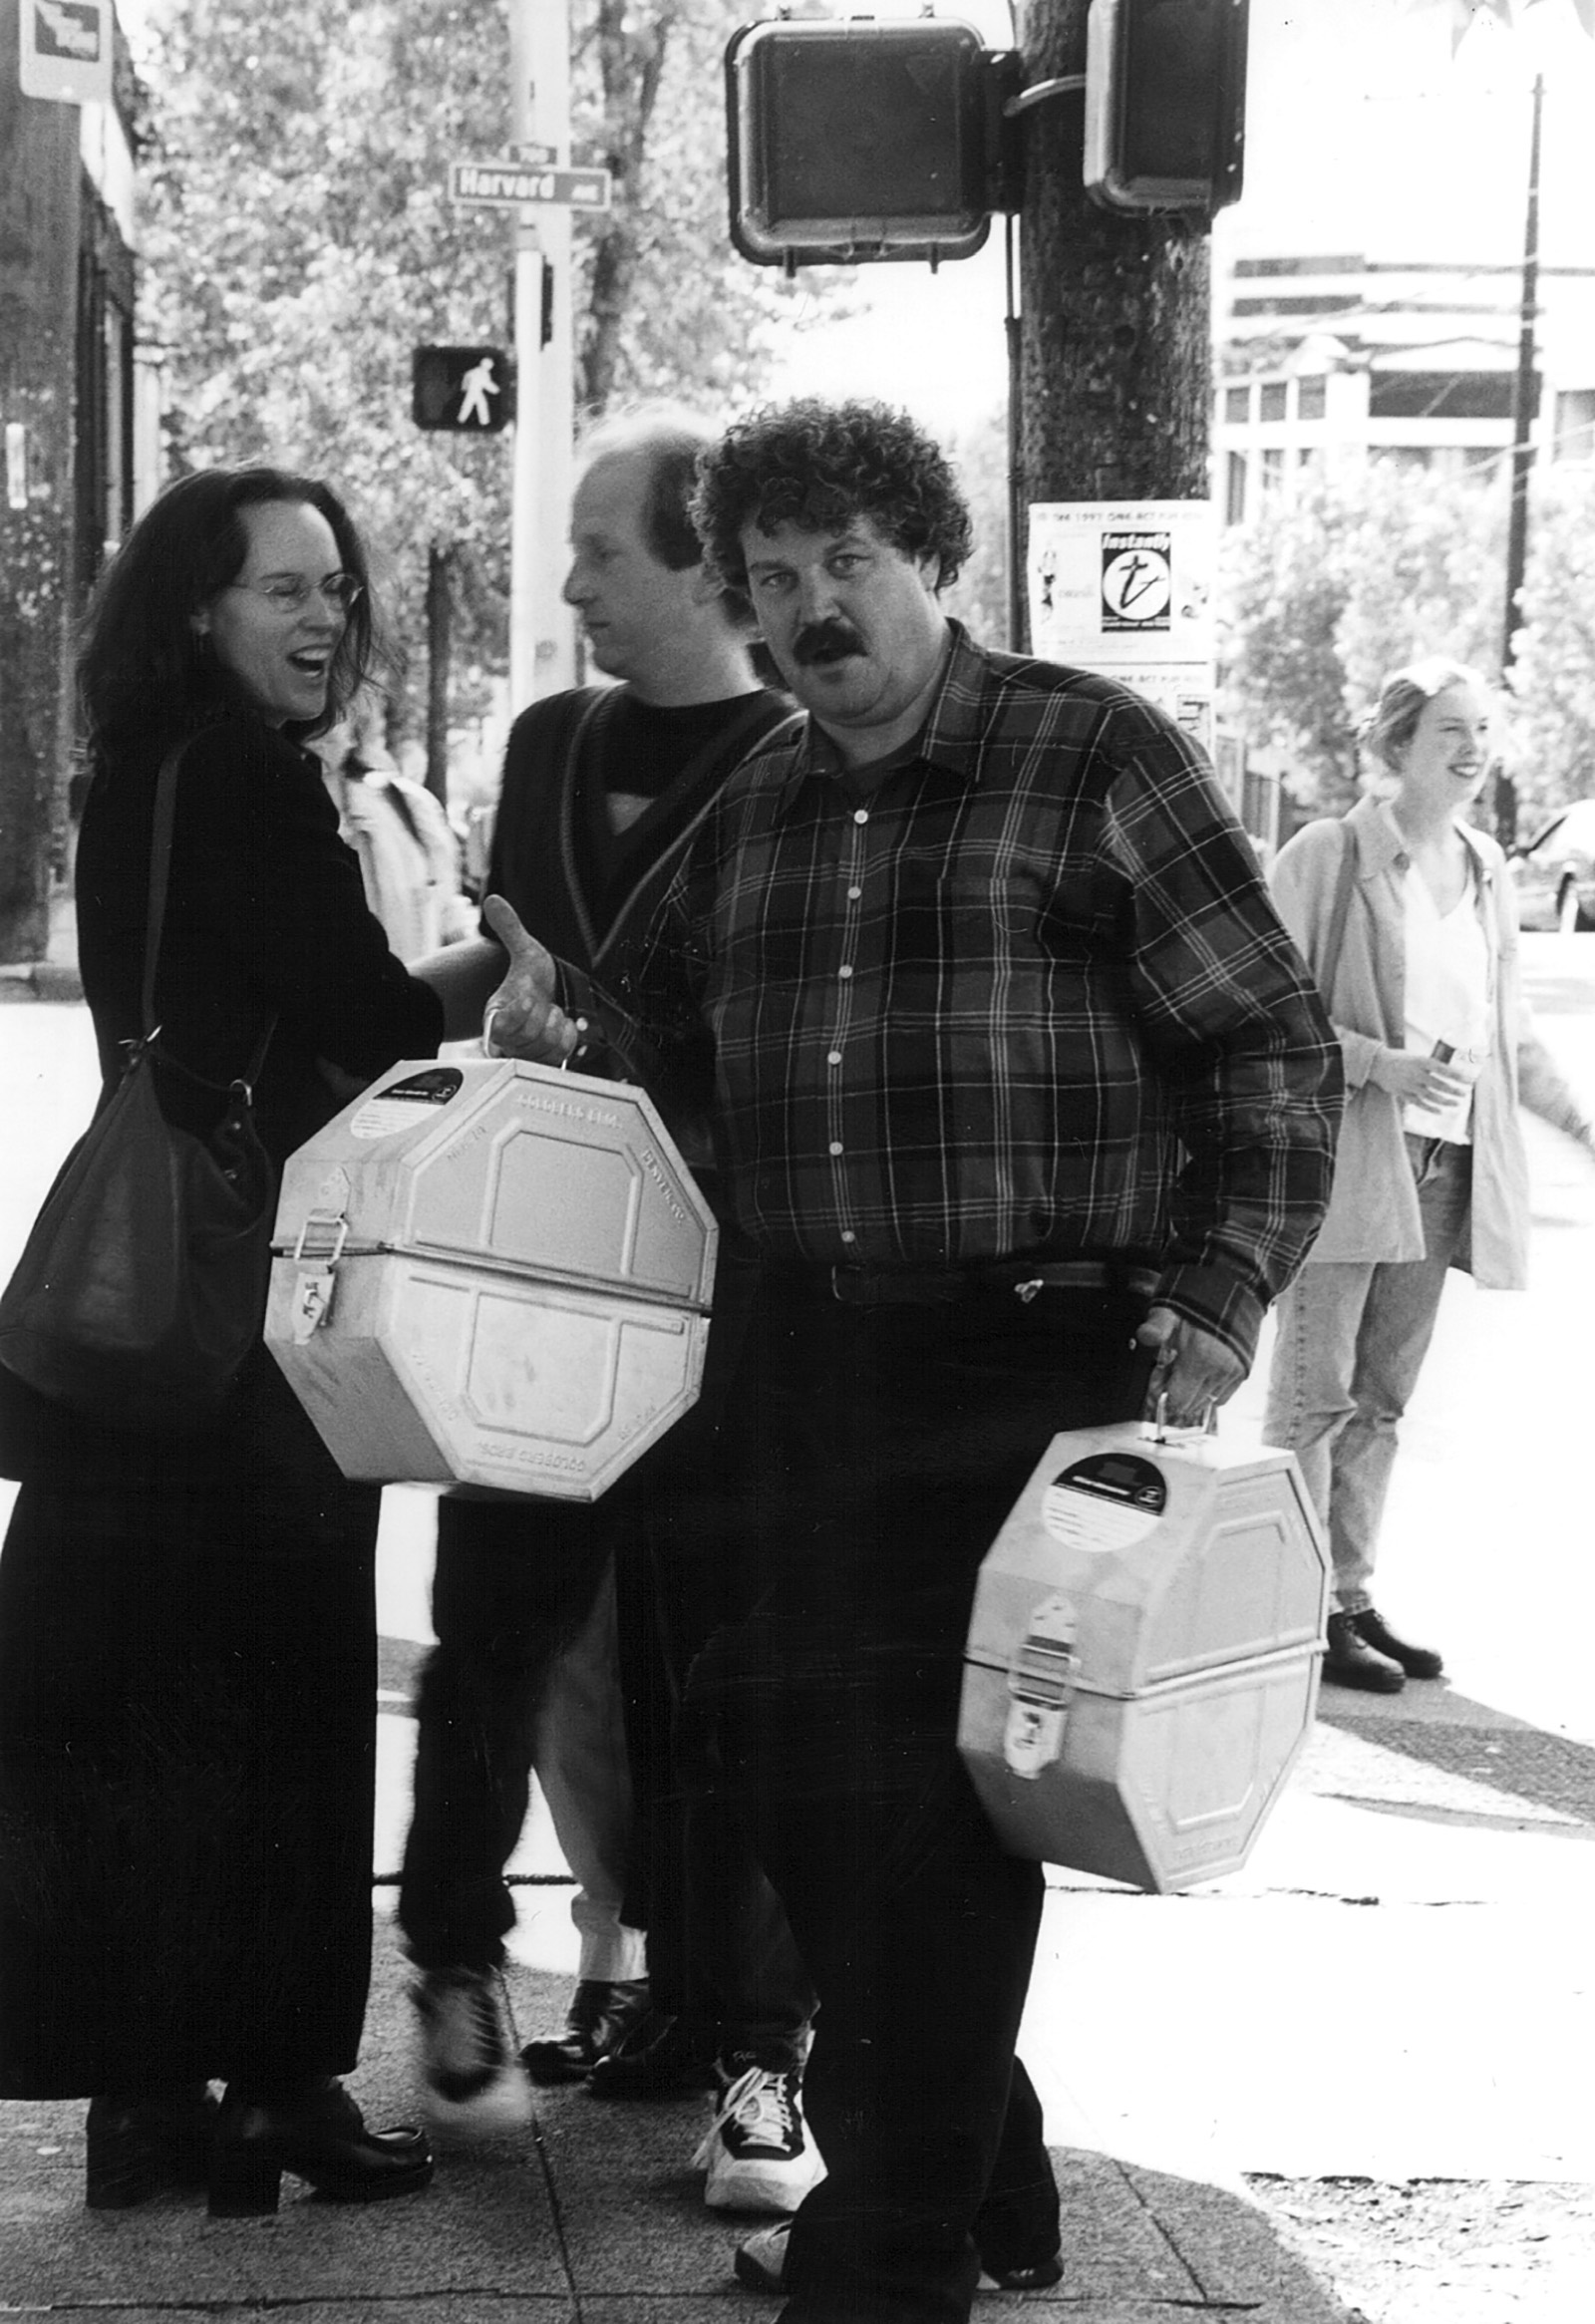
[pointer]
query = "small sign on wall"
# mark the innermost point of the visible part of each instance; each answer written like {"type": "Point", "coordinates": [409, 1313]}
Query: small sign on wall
{"type": "Point", "coordinates": [65, 51]}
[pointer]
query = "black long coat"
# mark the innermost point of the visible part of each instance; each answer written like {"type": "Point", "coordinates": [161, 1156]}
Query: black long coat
{"type": "Point", "coordinates": [187, 1625]}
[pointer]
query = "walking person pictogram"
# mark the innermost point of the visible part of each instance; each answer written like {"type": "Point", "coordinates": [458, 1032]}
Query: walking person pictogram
{"type": "Point", "coordinates": [475, 386]}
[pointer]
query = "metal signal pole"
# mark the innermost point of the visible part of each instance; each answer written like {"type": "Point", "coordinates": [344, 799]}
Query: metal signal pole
{"type": "Point", "coordinates": [541, 637]}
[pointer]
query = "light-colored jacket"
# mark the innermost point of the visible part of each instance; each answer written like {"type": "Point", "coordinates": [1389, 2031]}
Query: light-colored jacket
{"type": "Point", "coordinates": [1373, 1212]}
{"type": "Point", "coordinates": [409, 861]}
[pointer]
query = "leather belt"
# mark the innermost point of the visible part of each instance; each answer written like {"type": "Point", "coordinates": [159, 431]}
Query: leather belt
{"type": "Point", "coordinates": [1022, 1278]}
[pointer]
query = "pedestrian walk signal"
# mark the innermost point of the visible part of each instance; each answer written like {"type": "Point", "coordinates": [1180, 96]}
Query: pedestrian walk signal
{"type": "Point", "coordinates": [470, 390]}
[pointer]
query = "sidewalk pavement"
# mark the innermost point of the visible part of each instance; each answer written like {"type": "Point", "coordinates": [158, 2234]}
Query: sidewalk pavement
{"type": "Point", "coordinates": [594, 2216]}
{"type": "Point", "coordinates": [55, 978]}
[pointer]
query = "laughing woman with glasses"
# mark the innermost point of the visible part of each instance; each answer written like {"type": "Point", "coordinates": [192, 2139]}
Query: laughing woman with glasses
{"type": "Point", "coordinates": [188, 1634]}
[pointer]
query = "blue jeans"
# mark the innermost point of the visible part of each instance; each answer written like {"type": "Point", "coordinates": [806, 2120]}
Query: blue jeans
{"type": "Point", "coordinates": [1352, 1340]}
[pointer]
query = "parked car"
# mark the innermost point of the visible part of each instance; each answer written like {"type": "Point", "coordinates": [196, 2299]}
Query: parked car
{"type": "Point", "coordinates": [1555, 871]}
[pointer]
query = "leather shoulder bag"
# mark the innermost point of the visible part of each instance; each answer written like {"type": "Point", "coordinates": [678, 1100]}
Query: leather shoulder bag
{"type": "Point", "coordinates": [142, 1285]}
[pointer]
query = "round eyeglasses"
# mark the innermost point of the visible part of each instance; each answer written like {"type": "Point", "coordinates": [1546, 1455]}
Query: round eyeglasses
{"type": "Point", "coordinates": [290, 592]}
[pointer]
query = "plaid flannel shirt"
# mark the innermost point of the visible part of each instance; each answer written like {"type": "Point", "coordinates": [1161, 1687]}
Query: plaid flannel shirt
{"type": "Point", "coordinates": [1026, 996]}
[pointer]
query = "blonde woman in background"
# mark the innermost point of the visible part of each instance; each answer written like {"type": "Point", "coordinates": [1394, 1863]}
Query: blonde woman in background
{"type": "Point", "coordinates": [1407, 917]}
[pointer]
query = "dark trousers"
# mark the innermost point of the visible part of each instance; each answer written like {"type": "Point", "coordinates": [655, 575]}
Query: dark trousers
{"type": "Point", "coordinates": [882, 1449]}
{"type": "Point", "coordinates": [721, 1954]}
{"type": "Point", "coordinates": [515, 1582]}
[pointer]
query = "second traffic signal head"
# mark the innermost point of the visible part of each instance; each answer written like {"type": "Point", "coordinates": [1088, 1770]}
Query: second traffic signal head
{"type": "Point", "coordinates": [1165, 104]}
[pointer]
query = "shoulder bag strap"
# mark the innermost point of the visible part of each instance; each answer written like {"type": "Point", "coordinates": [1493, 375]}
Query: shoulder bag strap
{"type": "Point", "coordinates": [591, 718]}
{"type": "Point", "coordinates": [1338, 911]}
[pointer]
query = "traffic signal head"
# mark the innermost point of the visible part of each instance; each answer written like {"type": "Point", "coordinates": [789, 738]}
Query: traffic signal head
{"type": "Point", "coordinates": [855, 140]}
{"type": "Point", "coordinates": [470, 390]}
{"type": "Point", "coordinates": [1165, 104]}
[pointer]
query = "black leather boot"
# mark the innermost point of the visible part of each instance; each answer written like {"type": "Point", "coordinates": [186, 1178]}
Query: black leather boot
{"type": "Point", "coordinates": [141, 2144]}
{"type": "Point", "coordinates": [315, 2131]}
{"type": "Point", "coordinates": [1352, 1662]}
{"type": "Point", "coordinates": [598, 2019]}
{"type": "Point", "coordinates": [1420, 1662]}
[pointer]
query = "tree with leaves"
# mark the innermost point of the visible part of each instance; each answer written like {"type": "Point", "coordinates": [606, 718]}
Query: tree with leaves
{"type": "Point", "coordinates": [1553, 670]}
{"type": "Point", "coordinates": [300, 242]}
{"type": "Point", "coordinates": [1322, 596]}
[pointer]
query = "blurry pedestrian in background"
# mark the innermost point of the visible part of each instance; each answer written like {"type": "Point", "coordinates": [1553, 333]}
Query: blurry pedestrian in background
{"type": "Point", "coordinates": [1408, 919]}
{"type": "Point", "coordinates": [408, 855]}
{"type": "Point", "coordinates": [187, 1631]}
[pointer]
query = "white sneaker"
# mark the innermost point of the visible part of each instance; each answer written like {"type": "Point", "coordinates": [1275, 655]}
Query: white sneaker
{"type": "Point", "coordinates": [761, 2264]}
{"type": "Point", "coordinates": [472, 2083]}
{"type": "Point", "coordinates": [758, 2151]}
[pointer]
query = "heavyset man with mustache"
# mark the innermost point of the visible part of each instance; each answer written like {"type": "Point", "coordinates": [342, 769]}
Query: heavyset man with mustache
{"type": "Point", "coordinates": [1023, 1099]}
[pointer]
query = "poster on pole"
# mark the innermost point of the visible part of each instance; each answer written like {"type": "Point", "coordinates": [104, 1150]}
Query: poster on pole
{"type": "Point", "coordinates": [1126, 589]}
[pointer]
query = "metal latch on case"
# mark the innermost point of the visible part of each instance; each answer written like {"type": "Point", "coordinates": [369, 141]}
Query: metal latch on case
{"type": "Point", "coordinates": [1041, 1684]}
{"type": "Point", "coordinates": [316, 1253]}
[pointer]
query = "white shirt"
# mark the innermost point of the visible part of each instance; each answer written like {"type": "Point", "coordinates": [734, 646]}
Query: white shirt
{"type": "Point", "coordinates": [1448, 995]}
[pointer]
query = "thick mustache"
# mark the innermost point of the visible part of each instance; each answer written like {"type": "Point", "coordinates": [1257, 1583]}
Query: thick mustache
{"type": "Point", "coordinates": [822, 640]}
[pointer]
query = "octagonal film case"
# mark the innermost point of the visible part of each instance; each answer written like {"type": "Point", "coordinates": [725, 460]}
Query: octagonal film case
{"type": "Point", "coordinates": [493, 1275]}
{"type": "Point", "coordinates": [1143, 1653]}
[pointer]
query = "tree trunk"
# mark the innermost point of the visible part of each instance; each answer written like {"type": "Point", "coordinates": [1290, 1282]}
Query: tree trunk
{"type": "Point", "coordinates": [1115, 360]}
{"type": "Point", "coordinates": [39, 195]}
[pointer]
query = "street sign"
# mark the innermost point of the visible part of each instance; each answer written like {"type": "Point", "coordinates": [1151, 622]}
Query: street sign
{"type": "Point", "coordinates": [467, 389]}
{"type": "Point", "coordinates": [506, 184]}
{"type": "Point", "coordinates": [65, 51]}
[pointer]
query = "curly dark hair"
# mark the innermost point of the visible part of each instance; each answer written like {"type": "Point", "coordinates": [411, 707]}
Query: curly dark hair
{"type": "Point", "coordinates": [143, 674]}
{"type": "Point", "coordinates": [819, 464]}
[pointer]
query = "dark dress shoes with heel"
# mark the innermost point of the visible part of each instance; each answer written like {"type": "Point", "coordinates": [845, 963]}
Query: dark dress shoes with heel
{"type": "Point", "coordinates": [660, 2057]}
{"type": "Point", "coordinates": [318, 2135]}
{"type": "Point", "coordinates": [598, 2020]}
{"type": "Point", "coordinates": [142, 2144]}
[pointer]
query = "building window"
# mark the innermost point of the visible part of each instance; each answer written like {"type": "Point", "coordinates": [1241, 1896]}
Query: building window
{"type": "Point", "coordinates": [1273, 400]}
{"type": "Point", "coordinates": [1309, 461]}
{"type": "Point", "coordinates": [1237, 405]}
{"type": "Point", "coordinates": [1273, 471]}
{"type": "Point", "coordinates": [1442, 395]}
{"type": "Point", "coordinates": [1310, 395]}
{"type": "Point", "coordinates": [1235, 488]}
{"type": "Point", "coordinates": [1575, 425]}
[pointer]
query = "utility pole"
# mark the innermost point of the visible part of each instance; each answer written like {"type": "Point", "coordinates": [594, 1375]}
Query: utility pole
{"type": "Point", "coordinates": [1115, 360]}
{"type": "Point", "coordinates": [439, 609]}
{"type": "Point", "coordinates": [1523, 416]}
{"type": "Point", "coordinates": [541, 639]}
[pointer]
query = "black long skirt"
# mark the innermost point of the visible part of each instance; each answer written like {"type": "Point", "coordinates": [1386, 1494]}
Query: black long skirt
{"type": "Point", "coordinates": [187, 1676]}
